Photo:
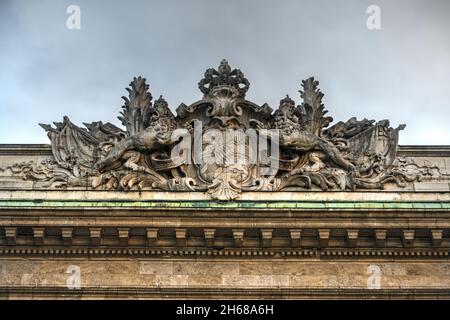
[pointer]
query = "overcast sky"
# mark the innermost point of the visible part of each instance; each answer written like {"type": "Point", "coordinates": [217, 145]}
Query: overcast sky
{"type": "Point", "coordinates": [401, 72]}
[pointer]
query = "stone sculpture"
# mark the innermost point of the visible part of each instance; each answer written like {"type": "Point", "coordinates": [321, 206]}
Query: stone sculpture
{"type": "Point", "coordinates": [357, 154]}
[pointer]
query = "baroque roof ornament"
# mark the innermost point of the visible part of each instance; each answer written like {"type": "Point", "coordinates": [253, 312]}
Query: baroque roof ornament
{"type": "Point", "coordinates": [292, 148]}
{"type": "Point", "coordinates": [223, 76]}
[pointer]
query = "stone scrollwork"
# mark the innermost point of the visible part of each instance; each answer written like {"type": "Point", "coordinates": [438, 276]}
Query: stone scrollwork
{"type": "Point", "coordinates": [357, 154]}
{"type": "Point", "coordinates": [47, 174]}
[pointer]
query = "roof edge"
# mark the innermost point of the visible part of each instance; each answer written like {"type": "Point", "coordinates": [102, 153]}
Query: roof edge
{"type": "Point", "coordinates": [403, 150]}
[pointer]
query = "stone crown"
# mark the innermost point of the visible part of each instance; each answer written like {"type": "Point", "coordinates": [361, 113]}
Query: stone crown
{"type": "Point", "coordinates": [224, 76]}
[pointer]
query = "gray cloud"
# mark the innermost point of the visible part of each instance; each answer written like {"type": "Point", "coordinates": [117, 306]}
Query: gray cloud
{"type": "Point", "coordinates": [401, 72]}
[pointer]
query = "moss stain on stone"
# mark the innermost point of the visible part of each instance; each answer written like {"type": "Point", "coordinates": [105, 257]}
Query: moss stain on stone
{"type": "Point", "coordinates": [244, 205]}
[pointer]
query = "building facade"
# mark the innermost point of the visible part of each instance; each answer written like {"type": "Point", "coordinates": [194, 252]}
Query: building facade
{"type": "Point", "coordinates": [225, 199]}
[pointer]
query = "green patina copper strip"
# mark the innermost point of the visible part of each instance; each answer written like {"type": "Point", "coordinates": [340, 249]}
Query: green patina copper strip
{"type": "Point", "coordinates": [295, 205]}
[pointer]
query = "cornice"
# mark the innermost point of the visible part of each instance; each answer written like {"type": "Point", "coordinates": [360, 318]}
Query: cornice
{"type": "Point", "coordinates": [183, 293]}
{"type": "Point", "coordinates": [312, 254]}
{"type": "Point", "coordinates": [25, 149]}
{"type": "Point", "coordinates": [341, 206]}
{"type": "Point", "coordinates": [423, 150]}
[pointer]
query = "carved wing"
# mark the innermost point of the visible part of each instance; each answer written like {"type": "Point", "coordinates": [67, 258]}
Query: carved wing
{"type": "Point", "coordinates": [137, 107]}
{"type": "Point", "coordinates": [105, 131]}
{"type": "Point", "coordinates": [312, 109]}
{"type": "Point", "coordinates": [72, 145]}
{"type": "Point", "coordinates": [348, 129]}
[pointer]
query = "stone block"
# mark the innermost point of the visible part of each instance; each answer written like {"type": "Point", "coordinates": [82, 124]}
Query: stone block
{"type": "Point", "coordinates": [431, 186]}
{"type": "Point", "coordinates": [156, 267]}
{"type": "Point", "coordinates": [255, 281]}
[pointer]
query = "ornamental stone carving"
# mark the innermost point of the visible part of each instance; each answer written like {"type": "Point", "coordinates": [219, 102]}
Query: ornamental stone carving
{"type": "Point", "coordinates": [223, 144]}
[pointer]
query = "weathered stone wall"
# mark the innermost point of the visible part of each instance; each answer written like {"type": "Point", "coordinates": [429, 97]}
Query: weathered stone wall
{"type": "Point", "coordinates": [230, 273]}
{"type": "Point", "coordinates": [244, 276]}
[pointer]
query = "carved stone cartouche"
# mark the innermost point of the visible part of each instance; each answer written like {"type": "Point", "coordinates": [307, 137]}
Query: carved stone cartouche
{"type": "Point", "coordinates": [357, 154]}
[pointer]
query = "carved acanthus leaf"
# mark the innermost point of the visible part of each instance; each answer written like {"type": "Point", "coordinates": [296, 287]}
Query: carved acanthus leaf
{"type": "Point", "coordinates": [312, 109]}
{"type": "Point", "coordinates": [137, 107]}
